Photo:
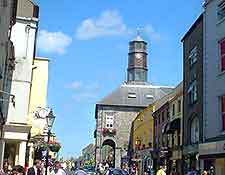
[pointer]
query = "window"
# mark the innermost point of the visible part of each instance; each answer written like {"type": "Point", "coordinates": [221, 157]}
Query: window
{"type": "Point", "coordinates": [159, 119]}
{"type": "Point", "coordinates": [132, 95]}
{"type": "Point", "coordinates": [168, 114]}
{"type": "Point", "coordinates": [173, 112]}
{"type": "Point", "coordinates": [193, 56]}
{"type": "Point", "coordinates": [223, 111]}
{"type": "Point", "coordinates": [109, 121]}
{"type": "Point", "coordinates": [222, 54]}
{"type": "Point", "coordinates": [221, 10]}
{"type": "Point", "coordinates": [163, 116]}
{"type": "Point", "coordinates": [192, 91]}
{"type": "Point", "coordinates": [179, 106]}
{"type": "Point", "coordinates": [195, 130]}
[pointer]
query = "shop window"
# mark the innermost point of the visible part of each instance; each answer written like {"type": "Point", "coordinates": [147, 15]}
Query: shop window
{"type": "Point", "coordinates": [222, 55]}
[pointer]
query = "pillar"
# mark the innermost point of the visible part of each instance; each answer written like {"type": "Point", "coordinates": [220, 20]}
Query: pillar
{"type": "Point", "coordinates": [2, 151]}
{"type": "Point", "coordinates": [117, 158]}
{"type": "Point", "coordinates": [22, 153]}
{"type": "Point", "coordinates": [97, 156]}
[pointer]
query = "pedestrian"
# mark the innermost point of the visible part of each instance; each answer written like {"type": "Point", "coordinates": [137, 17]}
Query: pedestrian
{"type": "Point", "coordinates": [58, 169]}
{"type": "Point", "coordinates": [205, 172]}
{"type": "Point", "coordinates": [36, 169]}
{"type": "Point", "coordinates": [162, 170]}
{"type": "Point", "coordinates": [18, 170]}
{"type": "Point", "coordinates": [193, 171]}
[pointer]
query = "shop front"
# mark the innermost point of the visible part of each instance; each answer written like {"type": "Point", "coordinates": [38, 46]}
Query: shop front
{"type": "Point", "coordinates": [191, 158]}
{"type": "Point", "coordinates": [212, 156]}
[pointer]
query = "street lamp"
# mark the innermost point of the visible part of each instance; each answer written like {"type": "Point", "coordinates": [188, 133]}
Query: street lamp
{"type": "Point", "coordinates": [50, 118]}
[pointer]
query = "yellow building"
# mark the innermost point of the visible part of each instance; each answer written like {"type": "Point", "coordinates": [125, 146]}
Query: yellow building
{"type": "Point", "coordinates": [142, 139]}
{"type": "Point", "coordinates": [38, 100]}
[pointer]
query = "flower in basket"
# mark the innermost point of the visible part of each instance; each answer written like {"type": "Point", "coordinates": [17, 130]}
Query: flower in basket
{"type": "Point", "coordinates": [55, 147]}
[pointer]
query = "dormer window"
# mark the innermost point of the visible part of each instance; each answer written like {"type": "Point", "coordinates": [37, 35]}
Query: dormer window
{"type": "Point", "coordinates": [149, 96]}
{"type": "Point", "coordinates": [132, 95]}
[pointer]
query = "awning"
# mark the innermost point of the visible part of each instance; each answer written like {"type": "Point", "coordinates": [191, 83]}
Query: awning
{"type": "Point", "coordinates": [173, 126]}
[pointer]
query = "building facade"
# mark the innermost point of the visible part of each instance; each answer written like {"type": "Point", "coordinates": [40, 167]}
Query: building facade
{"type": "Point", "coordinates": [8, 11]}
{"type": "Point", "coordinates": [212, 151]}
{"type": "Point", "coordinates": [115, 113]}
{"type": "Point", "coordinates": [142, 140]}
{"type": "Point", "coordinates": [37, 102]}
{"type": "Point", "coordinates": [193, 94]}
{"type": "Point", "coordinates": [16, 130]}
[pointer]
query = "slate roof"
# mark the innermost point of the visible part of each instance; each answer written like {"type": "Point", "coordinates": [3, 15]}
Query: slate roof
{"type": "Point", "coordinates": [135, 95]}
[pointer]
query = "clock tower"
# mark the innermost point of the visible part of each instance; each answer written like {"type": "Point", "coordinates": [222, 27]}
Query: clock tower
{"type": "Point", "coordinates": [137, 61]}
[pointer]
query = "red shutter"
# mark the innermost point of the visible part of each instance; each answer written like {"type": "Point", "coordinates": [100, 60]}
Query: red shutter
{"type": "Point", "coordinates": [222, 55]}
{"type": "Point", "coordinates": [223, 111]}
{"type": "Point", "coordinates": [223, 104]}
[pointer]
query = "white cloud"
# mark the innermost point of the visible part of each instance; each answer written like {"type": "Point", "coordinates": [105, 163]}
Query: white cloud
{"type": "Point", "coordinates": [76, 85]}
{"type": "Point", "coordinates": [84, 91]}
{"type": "Point", "coordinates": [153, 34]}
{"type": "Point", "coordinates": [109, 23]}
{"type": "Point", "coordinates": [84, 96]}
{"type": "Point", "coordinates": [53, 42]}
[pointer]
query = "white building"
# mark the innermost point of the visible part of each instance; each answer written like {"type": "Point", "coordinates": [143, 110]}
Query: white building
{"type": "Point", "coordinates": [16, 130]}
{"type": "Point", "coordinates": [7, 20]}
{"type": "Point", "coordinates": [212, 151]}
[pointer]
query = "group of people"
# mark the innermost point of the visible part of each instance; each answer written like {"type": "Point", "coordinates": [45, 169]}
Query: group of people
{"type": "Point", "coordinates": [37, 169]}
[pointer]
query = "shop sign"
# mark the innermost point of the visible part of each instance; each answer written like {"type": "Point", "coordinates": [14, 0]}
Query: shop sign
{"type": "Point", "coordinates": [212, 148]}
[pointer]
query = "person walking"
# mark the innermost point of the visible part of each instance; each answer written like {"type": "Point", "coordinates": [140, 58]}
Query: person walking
{"type": "Point", "coordinates": [58, 169]}
{"type": "Point", "coordinates": [162, 170]}
{"type": "Point", "coordinates": [36, 169]}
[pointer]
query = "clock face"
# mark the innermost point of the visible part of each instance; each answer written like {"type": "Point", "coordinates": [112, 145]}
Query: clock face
{"type": "Point", "coordinates": [138, 56]}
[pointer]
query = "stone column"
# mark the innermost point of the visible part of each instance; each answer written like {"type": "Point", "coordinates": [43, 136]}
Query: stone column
{"type": "Point", "coordinates": [117, 158]}
{"type": "Point", "coordinates": [22, 153]}
{"type": "Point", "coordinates": [2, 151]}
{"type": "Point", "coordinates": [97, 156]}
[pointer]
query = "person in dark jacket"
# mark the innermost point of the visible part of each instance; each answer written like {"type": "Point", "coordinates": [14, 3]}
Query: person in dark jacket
{"type": "Point", "coordinates": [36, 169]}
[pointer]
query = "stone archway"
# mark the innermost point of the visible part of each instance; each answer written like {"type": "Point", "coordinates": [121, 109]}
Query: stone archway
{"type": "Point", "coordinates": [108, 152]}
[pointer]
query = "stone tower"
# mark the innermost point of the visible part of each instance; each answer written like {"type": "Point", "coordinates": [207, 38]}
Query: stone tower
{"type": "Point", "coordinates": [137, 71]}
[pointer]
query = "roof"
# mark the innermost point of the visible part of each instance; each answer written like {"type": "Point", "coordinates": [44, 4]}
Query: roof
{"type": "Point", "coordinates": [138, 38]}
{"type": "Point", "coordinates": [135, 95]}
{"type": "Point", "coordinates": [193, 26]}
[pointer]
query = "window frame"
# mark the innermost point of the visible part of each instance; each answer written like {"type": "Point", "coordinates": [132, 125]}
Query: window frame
{"type": "Point", "coordinates": [194, 139]}
{"type": "Point", "coordinates": [193, 92]}
{"type": "Point", "coordinates": [193, 56]}
{"type": "Point", "coordinates": [222, 55]}
{"type": "Point", "coordinates": [221, 11]}
{"type": "Point", "coordinates": [222, 104]}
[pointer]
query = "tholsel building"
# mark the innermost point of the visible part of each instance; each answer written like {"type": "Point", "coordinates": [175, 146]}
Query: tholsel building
{"type": "Point", "coordinates": [115, 113]}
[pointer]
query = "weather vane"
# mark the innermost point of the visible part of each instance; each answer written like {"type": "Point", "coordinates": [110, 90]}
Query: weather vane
{"type": "Point", "coordinates": [139, 29]}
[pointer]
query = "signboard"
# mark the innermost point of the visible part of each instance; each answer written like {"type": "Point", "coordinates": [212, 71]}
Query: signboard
{"type": "Point", "coordinates": [212, 148]}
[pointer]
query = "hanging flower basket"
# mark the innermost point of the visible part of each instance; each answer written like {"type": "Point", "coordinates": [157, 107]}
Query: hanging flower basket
{"type": "Point", "coordinates": [108, 132]}
{"type": "Point", "coordinates": [55, 147]}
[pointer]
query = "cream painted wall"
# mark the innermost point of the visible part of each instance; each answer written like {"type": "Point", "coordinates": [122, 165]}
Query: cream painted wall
{"type": "Point", "coordinates": [24, 39]}
{"type": "Point", "coordinates": [38, 96]}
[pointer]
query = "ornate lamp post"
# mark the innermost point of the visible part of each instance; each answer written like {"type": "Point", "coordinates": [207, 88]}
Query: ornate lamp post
{"type": "Point", "coordinates": [50, 118]}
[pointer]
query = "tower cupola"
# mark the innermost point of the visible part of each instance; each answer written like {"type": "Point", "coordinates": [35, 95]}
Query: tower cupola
{"type": "Point", "coordinates": [137, 61]}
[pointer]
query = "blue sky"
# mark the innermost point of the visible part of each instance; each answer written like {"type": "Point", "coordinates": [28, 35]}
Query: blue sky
{"type": "Point", "coordinates": [87, 43]}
